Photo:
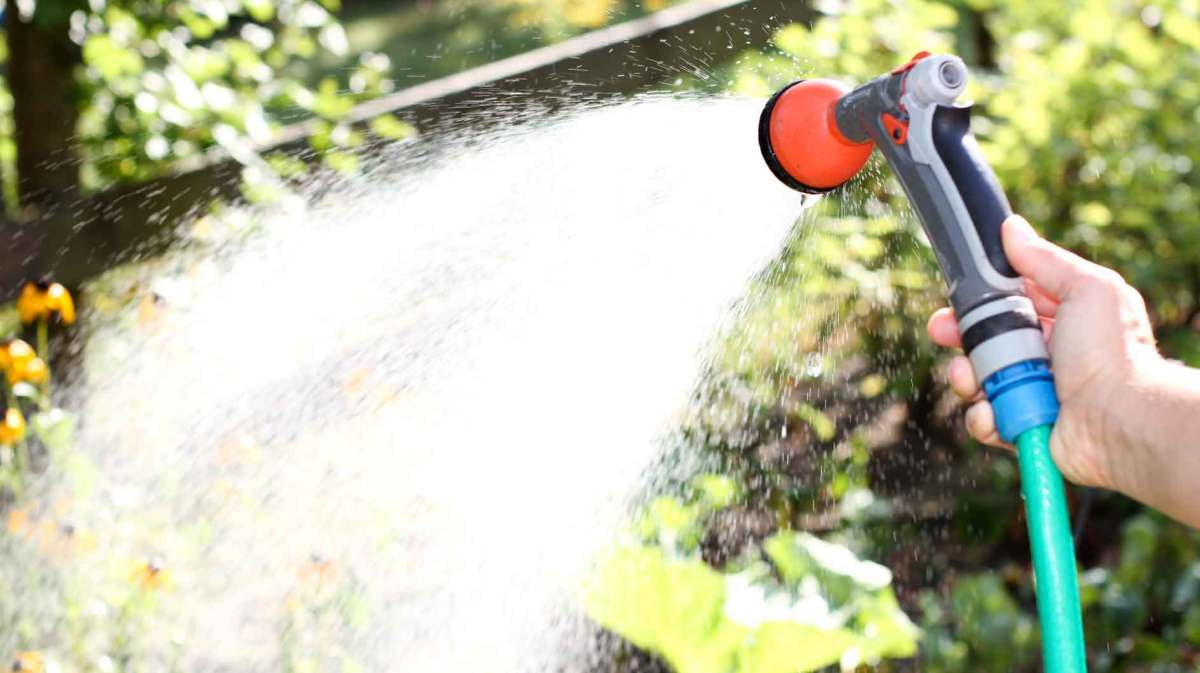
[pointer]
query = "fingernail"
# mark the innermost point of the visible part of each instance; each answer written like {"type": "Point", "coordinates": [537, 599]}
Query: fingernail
{"type": "Point", "coordinates": [979, 421]}
{"type": "Point", "coordinates": [1021, 229]}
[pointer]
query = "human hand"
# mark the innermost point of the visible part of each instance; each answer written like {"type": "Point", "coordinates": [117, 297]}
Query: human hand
{"type": "Point", "coordinates": [1102, 351]}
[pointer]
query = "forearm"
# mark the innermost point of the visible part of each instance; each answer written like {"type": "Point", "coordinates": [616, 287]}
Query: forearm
{"type": "Point", "coordinates": [1160, 440]}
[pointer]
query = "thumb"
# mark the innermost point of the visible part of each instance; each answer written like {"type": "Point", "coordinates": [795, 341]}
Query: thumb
{"type": "Point", "coordinates": [1054, 269]}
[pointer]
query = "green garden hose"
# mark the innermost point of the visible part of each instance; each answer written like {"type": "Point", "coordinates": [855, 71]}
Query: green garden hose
{"type": "Point", "coordinates": [1053, 554]}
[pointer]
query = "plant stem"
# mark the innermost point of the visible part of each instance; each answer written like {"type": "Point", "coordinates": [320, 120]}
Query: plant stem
{"type": "Point", "coordinates": [43, 352]}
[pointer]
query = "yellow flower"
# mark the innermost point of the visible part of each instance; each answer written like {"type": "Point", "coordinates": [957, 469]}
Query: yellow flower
{"type": "Point", "coordinates": [31, 305]}
{"type": "Point", "coordinates": [12, 430]}
{"type": "Point", "coordinates": [150, 575]}
{"type": "Point", "coordinates": [16, 353]}
{"type": "Point", "coordinates": [18, 521]}
{"type": "Point", "coordinates": [29, 662]}
{"type": "Point", "coordinates": [59, 301]}
{"type": "Point", "coordinates": [62, 539]}
{"type": "Point", "coordinates": [34, 372]}
{"type": "Point", "coordinates": [20, 363]}
{"type": "Point", "coordinates": [43, 299]}
{"type": "Point", "coordinates": [319, 571]}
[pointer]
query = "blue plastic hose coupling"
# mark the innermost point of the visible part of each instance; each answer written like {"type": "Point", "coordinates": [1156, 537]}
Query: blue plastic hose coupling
{"type": "Point", "coordinates": [1022, 397]}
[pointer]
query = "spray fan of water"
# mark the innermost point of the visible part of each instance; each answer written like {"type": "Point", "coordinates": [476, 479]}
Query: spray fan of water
{"type": "Point", "coordinates": [444, 386]}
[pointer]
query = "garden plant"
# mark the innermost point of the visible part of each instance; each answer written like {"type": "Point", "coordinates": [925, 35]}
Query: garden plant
{"type": "Point", "coordinates": [839, 517]}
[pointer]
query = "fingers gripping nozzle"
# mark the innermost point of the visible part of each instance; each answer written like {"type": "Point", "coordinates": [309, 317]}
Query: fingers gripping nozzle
{"type": "Point", "coordinates": [816, 134]}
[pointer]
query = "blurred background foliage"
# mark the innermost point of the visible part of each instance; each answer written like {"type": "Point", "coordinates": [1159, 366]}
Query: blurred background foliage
{"type": "Point", "coordinates": [824, 411]}
{"type": "Point", "coordinates": [162, 84]}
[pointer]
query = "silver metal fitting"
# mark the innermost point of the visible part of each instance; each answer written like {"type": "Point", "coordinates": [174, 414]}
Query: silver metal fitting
{"type": "Point", "coordinates": [937, 80]}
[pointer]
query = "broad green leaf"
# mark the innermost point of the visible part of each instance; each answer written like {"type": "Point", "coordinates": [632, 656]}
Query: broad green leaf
{"type": "Point", "coordinates": [787, 647]}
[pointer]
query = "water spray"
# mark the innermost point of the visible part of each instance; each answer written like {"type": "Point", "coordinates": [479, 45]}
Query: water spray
{"type": "Point", "coordinates": [815, 135]}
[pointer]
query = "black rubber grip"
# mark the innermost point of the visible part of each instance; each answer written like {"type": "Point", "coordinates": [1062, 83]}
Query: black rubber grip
{"type": "Point", "coordinates": [994, 326]}
{"type": "Point", "coordinates": [986, 203]}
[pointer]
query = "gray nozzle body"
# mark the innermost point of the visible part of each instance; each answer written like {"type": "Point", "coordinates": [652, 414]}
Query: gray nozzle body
{"type": "Point", "coordinates": [911, 116]}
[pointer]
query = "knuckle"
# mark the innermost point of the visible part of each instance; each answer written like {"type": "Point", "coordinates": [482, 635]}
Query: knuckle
{"type": "Point", "coordinates": [1133, 298]}
{"type": "Point", "coordinates": [1106, 284]}
{"type": "Point", "coordinates": [1111, 280]}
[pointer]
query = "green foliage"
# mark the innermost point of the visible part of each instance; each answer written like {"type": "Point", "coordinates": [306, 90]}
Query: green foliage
{"type": "Point", "coordinates": [830, 336]}
{"type": "Point", "coordinates": [805, 604]}
{"type": "Point", "coordinates": [1101, 155]}
{"type": "Point", "coordinates": [993, 633]}
{"type": "Point", "coordinates": [853, 41]}
{"type": "Point", "coordinates": [165, 82]}
{"type": "Point", "coordinates": [428, 40]}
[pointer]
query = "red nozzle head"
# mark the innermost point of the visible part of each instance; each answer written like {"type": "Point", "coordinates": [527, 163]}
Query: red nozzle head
{"type": "Point", "coordinates": [800, 139]}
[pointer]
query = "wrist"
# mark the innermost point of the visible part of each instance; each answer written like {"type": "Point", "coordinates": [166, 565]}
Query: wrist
{"type": "Point", "coordinates": [1125, 412]}
{"type": "Point", "coordinates": [1149, 455]}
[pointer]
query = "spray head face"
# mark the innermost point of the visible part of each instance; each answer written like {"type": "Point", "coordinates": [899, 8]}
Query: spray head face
{"type": "Point", "coordinates": [800, 139]}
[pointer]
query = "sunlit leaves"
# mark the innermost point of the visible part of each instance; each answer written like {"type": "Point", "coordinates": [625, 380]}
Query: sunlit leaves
{"type": "Point", "coordinates": [55, 428]}
{"type": "Point", "coordinates": [1125, 142]}
{"type": "Point", "coordinates": [673, 607]}
{"type": "Point", "coordinates": [831, 607]}
{"type": "Point", "coordinates": [328, 102]}
{"type": "Point", "coordinates": [822, 426]}
{"type": "Point", "coordinates": [286, 166]}
{"type": "Point", "coordinates": [391, 127]}
{"type": "Point", "coordinates": [787, 647]}
{"type": "Point", "coordinates": [261, 11]}
{"type": "Point", "coordinates": [675, 523]}
{"type": "Point", "coordinates": [111, 60]}
{"type": "Point", "coordinates": [716, 491]}
{"type": "Point", "coordinates": [163, 78]}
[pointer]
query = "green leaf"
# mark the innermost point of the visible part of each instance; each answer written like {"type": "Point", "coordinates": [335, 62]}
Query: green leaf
{"type": "Point", "coordinates": [1191, 624]}
{"type": "Point", "coordinates": [200, 26]}
{"type": "Point", "coordinates": [261, 11]}
{"type": "Point", "coordinates": [667, 606]}
{"type": "Point", "coordinates": [821, 424]}
{"type": "Point", "coordinates": [716, 491]}
{"type": "Point", "coordinates": [990, 620]}
{"type": "Point", "coordinates": [110, 59]}
{"type": "Point", "coordinates": [391, 127]}
{"type": "Point", "coordinates": [56, 429]}
{"type": "Point", "coordinates": [788, 647]}
{"type": "Point", "coordinates": [342, 162]}
{"type": "Point", "coordinates": [840, 572]}
{"type": "Point", "coordinates": [888, 630]}
{"type": "Point", "coordinates": [872, 385]}
{"type": "Point", "coordinates": [792, 39]}
{"type": "Point", "coordinates": [701, 621]}
{"type": "Point", "coordinates": [286, 166]}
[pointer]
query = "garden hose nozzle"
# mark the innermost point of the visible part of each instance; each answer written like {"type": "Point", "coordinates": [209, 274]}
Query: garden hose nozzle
{"type": "Point", "coordinates": [815, 135]}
